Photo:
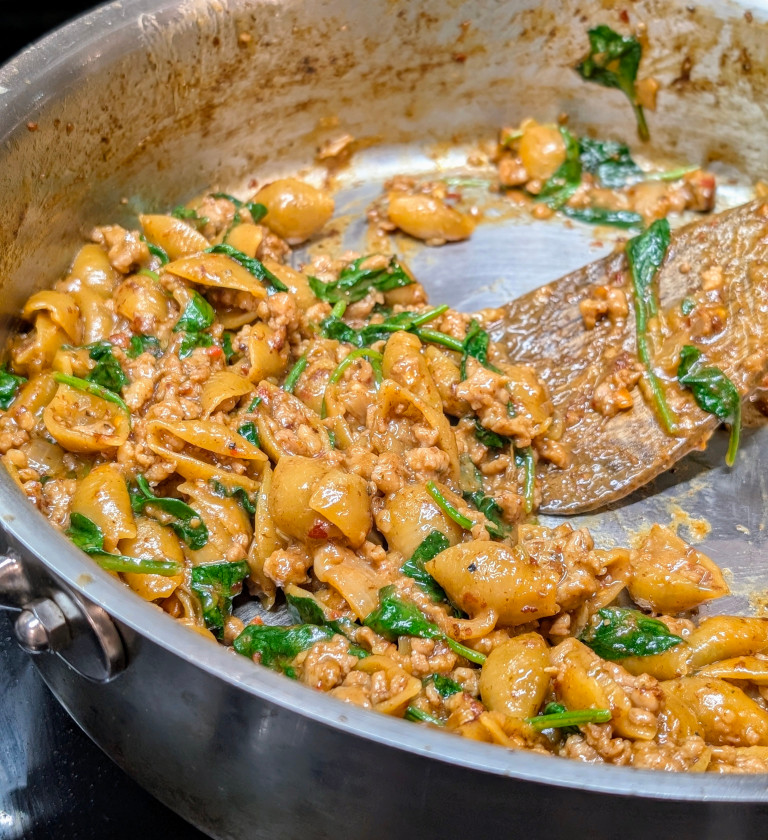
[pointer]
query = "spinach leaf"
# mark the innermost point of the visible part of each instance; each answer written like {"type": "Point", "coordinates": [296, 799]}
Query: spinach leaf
{"type": "Point", "coordinates": [252, 265]}
{"type": "Point", "coordinates": [191, 340]}
{"type": "Point", "coordinates": [616, 633]}
{"type": "Point", "coordinates": [475, 344]}
{"type": "Point", "coordinates": [107, 372]}
{"type": "Point", "coordinates": [307, 610]}
{"type": "Point", "coordinates": [226, 346]}
{"type": "Point", "coordinates": [91, 388]}
{"type": "Point", "coordinates": [374, 359]}
{"type": "Point", "coordinates": [143, 344]}
{"type": "Point", "coordinates": [239, 494]}
{"type": "Point", "coordinates": [559, 709]}
{"type": "Point", "coordinates": [257, 211]}
{"type": "Point", "coordinates": [645, 254]}
{"type": "Point", "coordinates": [612, 62]}
{"type": "Point", "coordinates": [396, 617]}
{"type": "Point", "coordinates": [492, 511]}
{"type": "Point", "coordinates": [197, 316]}
{"type": "Point", "coordinates": [354, 282]}
{"type": "Point", "coordinates": [489, 438]}
{"type": "Point", "coordinates": [449, 509]}
{"type": "Point", "coordinates": [333, 327]}
{"type": "Point", "coordinates": [714, 392]}
{"type": "Point", "coordinates": [188, 524]}
{"type": "Point", "coordinates": [88, 537]}
{"type": "Point", "coordinates": [187, 214]}
{"type": "Point", "coordinates": [155, 250]}
{"type": "Point", "coordinates": [9, 386]}
{"type": "Point", "coordinates": [293, 375]}
{"type": "Point", "coordinates": [623, 219]}
{"type": "Point", "coordinates": [559, 187]}
{"type": "Point", "coordinates": [249, 432]}
{"type": "Point", "coordinates": [445, 686]}
{"type": "Point", "coordinates": [526, 460]}
{"type": "Point", "coordinates": [418, 716]}
{"type": "Point", "coordinates": [429, 548]}
{"type": "Point", "coordinates": [609, 161]}
{"type": "Point", "coordinates": [215, 585]}
{"type": "Point", "coordinates": [565, 719]}
{"type": "Point", "coordinates": [277, 647]}
{"type": "Point", "coordinates": [85, 533]}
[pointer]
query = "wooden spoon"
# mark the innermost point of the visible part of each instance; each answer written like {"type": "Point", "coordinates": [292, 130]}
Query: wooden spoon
{"type": "Point", "coordinates": [723, 260]}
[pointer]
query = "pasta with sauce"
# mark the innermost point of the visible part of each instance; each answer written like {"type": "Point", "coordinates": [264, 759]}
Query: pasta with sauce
{"type": "Point", "coordinates": [209, 423]}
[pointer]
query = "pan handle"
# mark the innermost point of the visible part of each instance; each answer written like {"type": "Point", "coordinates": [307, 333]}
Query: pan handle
{"type": "Point", "coordinates": [62, 623]}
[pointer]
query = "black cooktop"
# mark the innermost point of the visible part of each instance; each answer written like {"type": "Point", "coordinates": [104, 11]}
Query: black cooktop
{"type": "Point", "coordinates": [54, 782]}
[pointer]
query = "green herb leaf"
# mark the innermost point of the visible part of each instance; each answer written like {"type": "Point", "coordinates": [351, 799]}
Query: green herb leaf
{"type": "Point", "coordinates": [136, 565]}
{"type": "Point", "coordinates": [687, 305]}
{"type": "Point", "coordinates": [354, 282]}
{"type": "Point", "coordinates": [489, 438]}
{"type": "Point", "coordinates": [445, 686]}
{"type": "Point", "coordinates": [612, 62]}
{"type": "Point", "coordinates": [418, 716]}
{"type": "Point", "coordinates": [88, 537]}
{"type": "Point", "coordinates": [155, 250]}
{"type": "Point", "coordinates": [197, 316]}
{"type": "Point", "coordinates": [249, 432]}
{"type": "Point", "coordinates": [191, 340]}
{"type": "Point", "coordinates": [226, 346]}
{"type": "Point", "coordinates": [85, 533]}
{"type": "Point", "coordinates": [714, 392]}
{"type": "Point", "coordinates": [216, 584]}
{"type": "Point", "coordinates": [107, 373]}
{"type": "Point", "coordinates": [277, 647]}
{"type": "Point", "coordinates": [428, 549]}
{"type": "Point", "coordinates": [623, 219]}
{"type": "Point", "coordinates": [9, 386]}
{"type": "Point", "coordinates": [645, 254]}
{"type": "Point", "coordinates": [307, 610]}
{"type": "Point", "coordinates": [396, 617]}
{"type": "Point", "coordinates": [492, 511]}
{"type": "Point", "coordinates": [187, 214]}
{"type": "Point", "coordinates": [239, 494]}
{"type": "Point", "coordinates": [563, 184]}
{"type": "Point", "coordinates": [374, 358]}
{"type": "Point", "coordinates": [475, 344]}
{"type": "Point", "coordinates": [448, 509]}
{"type": "Point", "coordinates": [616, 633]}
{"type": "Point", "coordinates": [561, 720]}
{"type": "Point", "coordinates": [90, 388]}
{"type": "Point", "coordinates": [252, 265]}
{"type": "Point", "coordinates": [257, 210]}
{"type": "Point", "coordinates": [529, 478]}
{"type": "Point", "coordinates": [188, 524]}
{"type": "Point", "coordinates": [143, 344]}
{"type": "Point", "coordinates": [610, 162]}
{"type": "Point", "coordinates": [293, 375]}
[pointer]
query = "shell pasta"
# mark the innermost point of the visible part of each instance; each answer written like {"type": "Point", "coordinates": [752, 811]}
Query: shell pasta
{"type": "Point", "coordinates": [216, 428]}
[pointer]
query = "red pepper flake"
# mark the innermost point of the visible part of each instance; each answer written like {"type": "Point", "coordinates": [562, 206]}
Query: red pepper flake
{"type": "Point", "coordinates": [214, 351]}
{"type": "Point", "coordinates": [318, 531]}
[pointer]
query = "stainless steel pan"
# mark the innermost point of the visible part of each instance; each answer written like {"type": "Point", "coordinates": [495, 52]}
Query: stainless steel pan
{"type": "Point", "coordinates": [143, 103]}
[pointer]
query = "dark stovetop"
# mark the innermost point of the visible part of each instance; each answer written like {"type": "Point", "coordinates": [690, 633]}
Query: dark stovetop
{"type": "Point", "coordinates": [54, 782]}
